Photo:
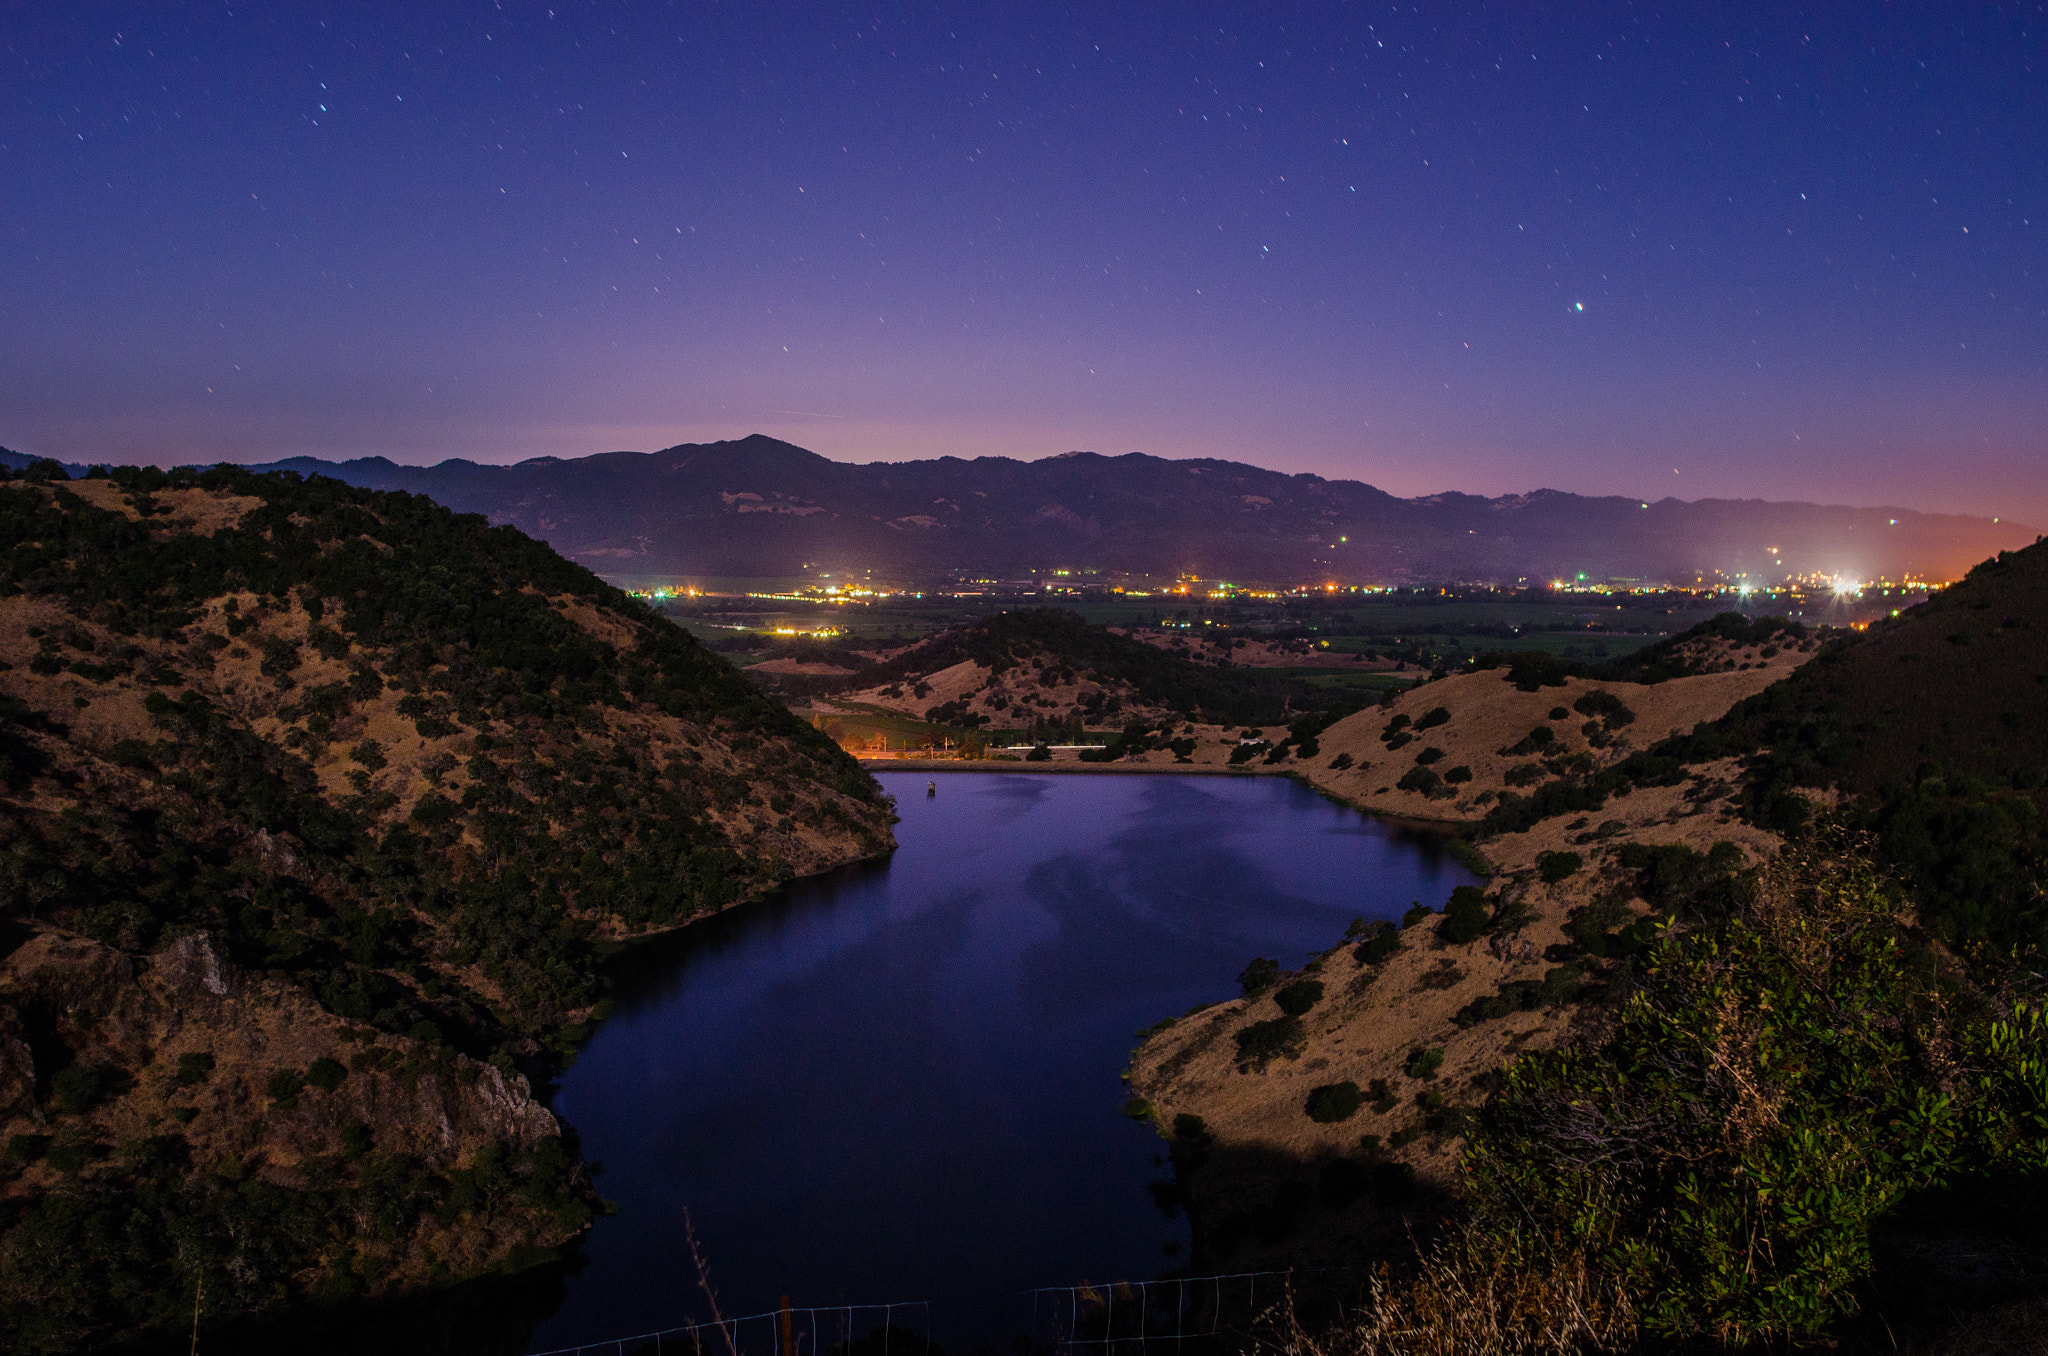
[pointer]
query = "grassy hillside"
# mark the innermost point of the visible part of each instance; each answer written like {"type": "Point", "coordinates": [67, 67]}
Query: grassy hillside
{"type": "Point", "coordinates": [321, 809]}
{"type": "Point", "coordinates": [1683, 1081]}
{"type": "Point", "coordinates": [1931, 731]}
{"type": "Point", "coordinates": [1048, 665]}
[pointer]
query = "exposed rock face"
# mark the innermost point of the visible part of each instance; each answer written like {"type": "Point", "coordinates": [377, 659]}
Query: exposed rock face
{"type": "Point", "coordinates": [97, 1011]}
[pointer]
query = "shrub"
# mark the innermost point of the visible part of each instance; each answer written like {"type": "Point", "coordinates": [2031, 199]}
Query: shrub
{"type": "Point", "coordinates": [132, 753]}
{"type": "Point", "coordinates": [76, 1089]}
{"type": "Point", "coordinates": [1558, 713]}
{"type": "Point", "coordinates": [1297, 998]}
{"type": "Point", "coordinates": [1340, 762]}
{"type": "Point", "coordinates": [1419, 779]}
{"type": "Point", "coordinates": [1605, 706]}
{"type": "Point", "coordinates": [1524, 774]}
{"type": "Point", "coordinates": [1258, 976]}
{"type": "Point", "coordinates": [1557, 866]}
{"type": "Point", "coordinates": [1538, 739]}
{"type": "Point", "coordinates": [194, 1068]}
{"type": "Point", "coordinates": [1417, 912]}
{"type": "Point", "coordinates": [1432, 718]}
{"type": "Point", "coordinates": [1334, 1102]}
{"type": "Point", "coordinates": [1432, 754]}
{"type": "Point", "coordinates": [1462, 852]}
{"type": "Point", "coordinates": [1458, 775]}
{"type": "Point", "coordinates": [1040, 753]}
{"type": "Point", "coordinates": [1764, 1098]}
{"type": "Point", "coordinates": [1262, 1042]}
{"type": "Point", "coordinates": [326, 1074]}
{"type": "Point", "coordinates": [1465, 917]}
{"type": "Point", "coordinates": [1423, 1062]}
{"type": "Point", "coordinates": [283, 1087]}
{"type": "Point", "coordinates": [1559, 984]}
{"type": "Point", "coordinates": [1375, 949]}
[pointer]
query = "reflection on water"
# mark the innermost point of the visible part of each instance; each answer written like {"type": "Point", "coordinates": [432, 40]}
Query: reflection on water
{"type": "Point", "coordinates": [900, 1082]}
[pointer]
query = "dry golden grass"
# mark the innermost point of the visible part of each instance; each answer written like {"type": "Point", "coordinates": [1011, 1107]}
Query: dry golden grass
{"type": "Point", "coordinates": [1456, 1304]}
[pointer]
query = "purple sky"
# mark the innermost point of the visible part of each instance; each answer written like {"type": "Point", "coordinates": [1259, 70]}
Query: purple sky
{"type": "Point", "coordinates": [1346, 239]}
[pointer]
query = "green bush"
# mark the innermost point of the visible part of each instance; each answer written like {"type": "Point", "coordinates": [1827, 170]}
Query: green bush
{"type": "Point", "coordinates": [1465, 916]}
{"type": "Point", "coordinates": [1297, 998]}
{"type": "Point", "coordinates": [1380, 945]}
{"type": "Point", "coordinates": [1457, 775]}
{"type": "Point", "coordinates": [1538, 739]}
{"type": "Point", "coordinates": [1471, 858]}
{"type": "Point", "coordinates": [1557, 866]}
{"type": "Point", "coordinates": [1419, 779]}
{"type": "Point", "coordinates": [1334, 1102]}
{"type": "Point", "coordinates": [1606, 707]}
{"type": "Point", "coordinates": [193, 1068]}
{"type": "Point", "coordinates": [76, 1088]}
{"type": "Point", "coordinates": [326, 1074]}
{"type": "Point", "coordinates": [1779, 1081]}
{"type": "Point", "coordinates": [1417, 912]}
{"type": "Point", "coordinates": [1259, 975]}
{"type": "Point", "coordinates": [283, 1087]}
{"type": "Point", "coordinates": [1423, 1062]}
{"type": "Point", "coordinates": [1040, 753]}
{"type": "Point", "coordinates": [1262, 1042]}
{"type": "Point", "coordinates": [1432, 718]}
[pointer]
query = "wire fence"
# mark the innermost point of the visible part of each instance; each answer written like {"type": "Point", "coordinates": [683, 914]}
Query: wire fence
{"type": "Point", "coordinates": [788, 1331]}
{"type": "Point", "coordinates": [1135, 1316]}
{"type": "Point", "coordinates": [1116, 1318]}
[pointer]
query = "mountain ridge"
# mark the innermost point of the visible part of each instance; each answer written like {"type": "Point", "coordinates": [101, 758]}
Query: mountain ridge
{"type": "Point", "coordinates": [760, 506]}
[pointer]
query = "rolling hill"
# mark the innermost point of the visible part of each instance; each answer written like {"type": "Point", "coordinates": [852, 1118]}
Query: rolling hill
{"type": "Point", "coordinates": [319, 810]}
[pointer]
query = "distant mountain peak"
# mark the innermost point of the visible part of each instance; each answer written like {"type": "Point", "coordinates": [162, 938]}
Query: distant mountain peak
{"type": "Point", "coordinates": [1142, 515]}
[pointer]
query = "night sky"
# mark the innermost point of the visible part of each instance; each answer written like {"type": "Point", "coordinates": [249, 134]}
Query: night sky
{"type": "Point", "coordinates": [1693, 250]}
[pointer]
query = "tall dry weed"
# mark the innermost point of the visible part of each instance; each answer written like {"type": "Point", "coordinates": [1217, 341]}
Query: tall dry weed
{"type": "Point", "coordinates": [1459, 1302]}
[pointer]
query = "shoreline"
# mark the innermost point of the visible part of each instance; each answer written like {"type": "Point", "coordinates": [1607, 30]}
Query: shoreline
{"type": "Point", "coordinates": [874, 765]}
{"type": "Point", "coordinates": [1443, 828]}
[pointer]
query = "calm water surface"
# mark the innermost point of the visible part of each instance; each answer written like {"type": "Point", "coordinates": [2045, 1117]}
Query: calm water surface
{"type": "Point", "coordinates": [900, 1082]}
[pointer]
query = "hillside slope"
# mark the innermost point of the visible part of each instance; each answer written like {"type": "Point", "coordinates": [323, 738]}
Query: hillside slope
{"type": "Point", "coordinates": [1448, 751]}
{"type": "Point", "coordinates": [1834, 850]}
{"type": "Point", "coordinates": [321, 809]}
{"type": "Point", "coordinates": [1047, 665]}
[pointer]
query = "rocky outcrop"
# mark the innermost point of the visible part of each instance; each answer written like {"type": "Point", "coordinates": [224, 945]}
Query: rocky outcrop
{"type": "Point", "coordinates": [186, 1037]}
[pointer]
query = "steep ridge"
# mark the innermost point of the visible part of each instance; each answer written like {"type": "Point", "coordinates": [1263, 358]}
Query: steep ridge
{"type": "Point", "coordinates": [322, 808]}
{"type": "Point", "coordinates": [1744, 935]}
{"type": "Point", "coordinates": [759, 506]}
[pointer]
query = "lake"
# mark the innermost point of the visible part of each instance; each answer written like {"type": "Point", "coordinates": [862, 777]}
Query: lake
{"type": "Point", "coordinates": [899, 1083]}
